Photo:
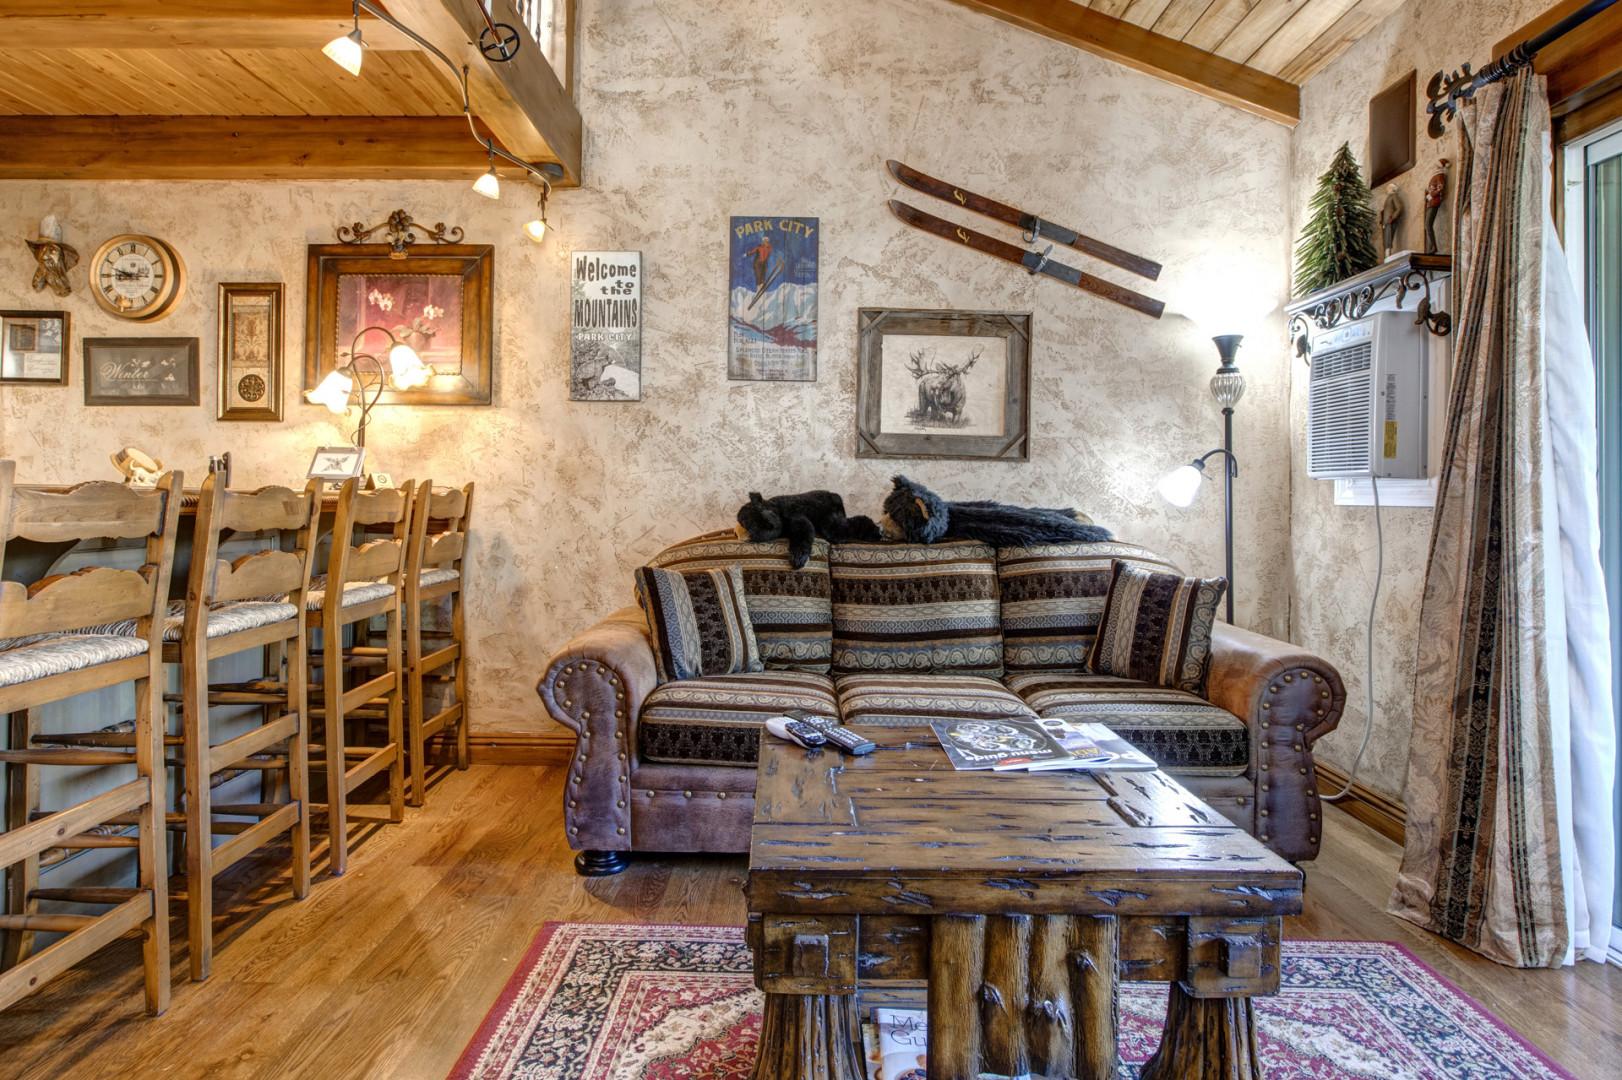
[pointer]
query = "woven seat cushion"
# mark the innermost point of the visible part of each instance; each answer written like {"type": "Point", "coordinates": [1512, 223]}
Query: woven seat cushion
{"type": "Point", "coordinates": [228, 618]}
{"type": "Point", "coordinates": [915, 700]}
{"type": "Point", "coordinates": [1179, 730]}
{"type": "Point", "coordinates": [788, 608]}
{"type": "Point", "coordinates": [716, 719]}
{"type": "Point", "coordinates": [355, 592]}
{"type": "Point", "coordinates": [438, 575]}
{"type": "Point", "coordinates": [61, 653]}
{"type": "Point", "coordinates": [916, 607]}
{"type": "Point", "coordinates": [1053, 597]}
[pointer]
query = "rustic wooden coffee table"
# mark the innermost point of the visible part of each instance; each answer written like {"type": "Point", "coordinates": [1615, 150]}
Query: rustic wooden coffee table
{"type": "Point", "coordinates": [1020, 898]}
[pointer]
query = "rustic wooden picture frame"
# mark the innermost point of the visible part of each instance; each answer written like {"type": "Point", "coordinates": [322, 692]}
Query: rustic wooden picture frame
{"type": "Point", "coordinates": [95, 348]}
{"type": "Point", "coordinates": [11, 321]}
{"type": "Point", "coordinates": [230, 369]}
{"type": "Point", "coordinates": [1393, 130]}
{"type": "Point", "coordinates": [473, 382]}
{"type": "Point", "coordinates": [872, 438]}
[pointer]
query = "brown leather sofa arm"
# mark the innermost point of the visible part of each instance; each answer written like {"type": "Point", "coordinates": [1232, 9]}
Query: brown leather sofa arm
{"type": "Point", "coordinates": [1289, 698]}
{"type": "Point", "coordinates": [595, 686]}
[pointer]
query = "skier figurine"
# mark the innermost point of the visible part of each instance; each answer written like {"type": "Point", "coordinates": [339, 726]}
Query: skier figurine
{"type": "Point", "coordinates": [1435, 192]}
{"type": "Point", "coordinates": [1390, 215]}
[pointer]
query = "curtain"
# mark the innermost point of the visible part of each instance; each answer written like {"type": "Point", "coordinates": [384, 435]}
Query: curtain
{"type": "Point", "coordinates": [1508, 700]}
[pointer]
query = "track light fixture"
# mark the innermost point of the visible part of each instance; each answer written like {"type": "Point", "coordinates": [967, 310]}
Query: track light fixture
{"type": "Point", "coordinates": [500, 43]}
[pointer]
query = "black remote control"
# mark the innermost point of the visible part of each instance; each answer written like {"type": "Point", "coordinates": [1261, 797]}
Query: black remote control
{"type": "Point", "coordinates": [838, 734]}
{"type": "Point", "coordinates": [796, 730]}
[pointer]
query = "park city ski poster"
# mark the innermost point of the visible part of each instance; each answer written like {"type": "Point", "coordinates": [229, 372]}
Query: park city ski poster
{"type": "Point", "coordinates": [605, 326]}
{"type": "Point", "coordinates": [773, 299]}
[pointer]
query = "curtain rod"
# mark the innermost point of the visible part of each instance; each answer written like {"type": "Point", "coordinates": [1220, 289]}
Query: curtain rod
{"type": "Point", "coordinates": [1446, 91]}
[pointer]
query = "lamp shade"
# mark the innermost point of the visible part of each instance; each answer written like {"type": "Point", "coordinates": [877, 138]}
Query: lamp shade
{"type": "Point", "coordinates": [488, 184]}
{"type": "Point", "coordinates": [536, 230]}
{"type": "Point", "coordinates": [1181, 485]}
{"type": "Point", "coordinates": [407, 369]}
{"type": "Point", "coordinates": [347, 51]}
{"type": "Point", "coordinates": [333, 392]}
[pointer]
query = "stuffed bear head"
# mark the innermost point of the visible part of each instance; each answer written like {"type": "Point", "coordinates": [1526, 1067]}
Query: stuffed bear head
{"type": "Point", "coordinates": [914, 513]}
{"type": "Point", "coordinates": [759, 520]}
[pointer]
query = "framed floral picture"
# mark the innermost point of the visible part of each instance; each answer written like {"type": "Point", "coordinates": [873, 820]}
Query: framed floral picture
{"type": "Point", "coordinates": [436, 300]}
{"type": "Point", "coordinates": [250, 354]}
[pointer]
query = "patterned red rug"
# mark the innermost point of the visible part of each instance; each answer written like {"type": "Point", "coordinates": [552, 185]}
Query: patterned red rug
{"type": "Point", "coordinates": [619, 1002]}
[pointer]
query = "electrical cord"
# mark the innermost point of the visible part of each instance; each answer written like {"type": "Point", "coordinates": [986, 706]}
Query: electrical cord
{"type": "Point", "coordinates": [1368, 682]}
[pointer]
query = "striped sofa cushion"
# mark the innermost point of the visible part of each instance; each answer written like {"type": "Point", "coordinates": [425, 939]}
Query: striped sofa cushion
{"type": "Point", "coordinates": [1052, 599]}
{"type": "Point", "coordinates": [788, 608]}
{"type": "Point", "coordinates": [915, 700]}
{"type": "Point", "coordinates": [1178, 729]}
{"type": "Point", "coordinates": [716, 720]}
{"type": "Point", "coordinates": [916, 607]}
{"type": "Point", "coordinates": [1157, 628]}
{"type": "Point", "coordinates": [672, 624]}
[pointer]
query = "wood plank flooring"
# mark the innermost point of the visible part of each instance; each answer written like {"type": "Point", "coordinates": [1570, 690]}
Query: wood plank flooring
{"type": "Point", "coordinates": [386, 972]}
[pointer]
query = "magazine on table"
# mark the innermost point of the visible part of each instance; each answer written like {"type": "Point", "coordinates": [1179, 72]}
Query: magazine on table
{"type": "Point", "coordinates": [1092, 747]}
{"type": "Point", "coordinates": [897, 1044]}
{"type": "Point", "coordinates": [995, 744]}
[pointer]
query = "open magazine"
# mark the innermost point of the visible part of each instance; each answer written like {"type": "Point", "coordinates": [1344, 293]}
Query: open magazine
{"type": "Point", "coordinates": [1092, 747]}
{"type": "Point", "coordinates": [1037, 744]}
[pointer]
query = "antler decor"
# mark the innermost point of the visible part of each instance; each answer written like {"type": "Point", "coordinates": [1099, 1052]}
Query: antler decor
{"type": "Point", "coordinates": [401, 233]}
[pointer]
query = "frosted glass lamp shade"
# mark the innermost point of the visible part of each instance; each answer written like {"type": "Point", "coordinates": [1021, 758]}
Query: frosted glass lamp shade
{"type": "Point", "coordinates": [333, 392]}
{"type": "Point", "coordinates": [1181, 485]}
{"type": "Point", "coordinates": [347, 51]}
{"type": "Point", "coordinates": [536, 230]}
{"type": "Point", "coordinates": [407, 369]}
{"type": "Point", "coordinates": [488, 185]}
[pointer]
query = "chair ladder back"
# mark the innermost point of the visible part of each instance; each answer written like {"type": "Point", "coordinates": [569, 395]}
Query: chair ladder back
{"type": "Point", "coordinates": [381, 552]}
{"type": "Point", "coordinates": [287, 517]}
{"type": "Point", "coordinates": [439, 527]}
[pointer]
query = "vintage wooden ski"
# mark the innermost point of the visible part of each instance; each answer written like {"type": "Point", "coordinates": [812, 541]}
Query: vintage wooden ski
{"type": "Point", "coordinates": [1035, 228]}
{"type": "Point", "coordinates": [1035, 262]}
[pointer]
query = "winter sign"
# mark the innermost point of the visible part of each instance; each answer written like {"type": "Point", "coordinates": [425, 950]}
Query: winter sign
{"type": "Point", "coordinates": [773, 304]}
{"type": "Point", "coordinates": [605, 326]}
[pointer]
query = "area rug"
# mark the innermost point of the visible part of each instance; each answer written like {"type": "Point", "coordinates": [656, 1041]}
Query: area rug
{"type": "Point", "coordinates": [618, 1002]}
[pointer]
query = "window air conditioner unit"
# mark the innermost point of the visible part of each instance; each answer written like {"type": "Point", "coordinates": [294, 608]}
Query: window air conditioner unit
{"type": "Point", "coordinates": [1366, 405]}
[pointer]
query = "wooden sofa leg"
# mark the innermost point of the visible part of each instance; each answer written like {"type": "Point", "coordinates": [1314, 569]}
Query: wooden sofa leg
{"type": "Point", "coordinates": [600, 863]}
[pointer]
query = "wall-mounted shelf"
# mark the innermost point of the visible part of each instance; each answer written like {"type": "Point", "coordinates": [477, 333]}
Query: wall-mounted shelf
{"type": "Point", "coordinates": [1353, 298]}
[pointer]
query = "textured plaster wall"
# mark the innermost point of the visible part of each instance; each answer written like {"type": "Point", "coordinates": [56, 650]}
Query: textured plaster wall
{"type": "Point", "coordinates": [695, 111]}
{"type": "Point", "coordinates": [1332, 547]}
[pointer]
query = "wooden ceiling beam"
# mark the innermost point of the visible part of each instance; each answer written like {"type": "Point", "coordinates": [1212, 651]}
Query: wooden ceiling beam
{"type": "Point", "coordinates": [240, 148]}
{"type": "Point", "coordinates": [1144, 50]}
{"type": "Point", "coordinates": [188, 24]}
{"type": "Point", "coordinates": [522, 100]}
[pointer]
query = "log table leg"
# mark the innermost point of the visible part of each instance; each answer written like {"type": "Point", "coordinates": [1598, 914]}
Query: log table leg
{"type": "Point", "coordinates": [1206, 1039]}
{"type": "Point", "coordinates": [809, 1037]}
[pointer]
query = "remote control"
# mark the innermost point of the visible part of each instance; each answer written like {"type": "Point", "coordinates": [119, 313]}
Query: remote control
{"type": "Point", "coordinates": [797, 731]}
{"type": "Point", "coordinates": [838, 734]}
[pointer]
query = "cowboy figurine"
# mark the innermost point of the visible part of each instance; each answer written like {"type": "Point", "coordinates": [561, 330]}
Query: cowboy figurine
{"type": "Point", "coordinates": [1435, 192]}
{"type": "Point", "coordinates": [1390, 215]}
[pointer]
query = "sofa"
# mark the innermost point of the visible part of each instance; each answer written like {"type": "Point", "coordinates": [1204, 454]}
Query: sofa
{"type": "Point", "coordinates": [895, 633]}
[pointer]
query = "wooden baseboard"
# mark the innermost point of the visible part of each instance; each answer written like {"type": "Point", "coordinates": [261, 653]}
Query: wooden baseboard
{"type": "Point", "coordinates": [1381, 813]}
{"type": "Point", "coordinates": [551, 748]}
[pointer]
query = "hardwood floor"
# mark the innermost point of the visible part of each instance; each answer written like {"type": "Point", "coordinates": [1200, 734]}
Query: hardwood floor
{"type": "Point", "coordinates": [386, 972]}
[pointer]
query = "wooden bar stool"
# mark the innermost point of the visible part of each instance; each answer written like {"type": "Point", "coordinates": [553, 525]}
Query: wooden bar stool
{"type": "Point", "coordinates": [434, 572]}
{"type": "Point", "coordinates": [367, 578]}
{"type": "Point", "coordinates": [227, 612]}
{"type": "Point", "coordinates": [43, 660]}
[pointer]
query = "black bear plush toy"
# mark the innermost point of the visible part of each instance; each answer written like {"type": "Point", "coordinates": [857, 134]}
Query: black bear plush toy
{"type": "Point", "coordinates": [920, 516]}
{"type": "Point", "coordinates": [801, 519]}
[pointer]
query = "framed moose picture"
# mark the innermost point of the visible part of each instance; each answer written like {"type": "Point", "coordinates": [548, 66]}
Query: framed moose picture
{"type": "Point", "coordinates": [943, 384]}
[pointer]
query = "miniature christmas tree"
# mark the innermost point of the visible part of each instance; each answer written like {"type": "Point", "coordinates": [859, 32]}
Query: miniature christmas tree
{"type": "Point", "coordinates": [1338, 239]}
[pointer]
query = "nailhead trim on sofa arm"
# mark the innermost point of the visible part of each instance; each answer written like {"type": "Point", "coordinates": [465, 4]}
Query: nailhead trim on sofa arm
{"type": "Point", "coordinates": [595, 686]}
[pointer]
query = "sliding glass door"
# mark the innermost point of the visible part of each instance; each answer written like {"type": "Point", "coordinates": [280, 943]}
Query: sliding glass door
{"type": "Point", "coordinates": [1593, 235]}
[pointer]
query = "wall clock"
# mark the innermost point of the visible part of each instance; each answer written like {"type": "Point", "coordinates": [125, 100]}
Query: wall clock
{"type": "Point", "coordinates": [137, 277]}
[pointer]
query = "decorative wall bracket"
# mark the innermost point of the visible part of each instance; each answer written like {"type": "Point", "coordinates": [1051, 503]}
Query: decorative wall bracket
{"type": "Point", "coordinates": [400, 233]}
{"type": "Point", "coordinates": [1356, 296]}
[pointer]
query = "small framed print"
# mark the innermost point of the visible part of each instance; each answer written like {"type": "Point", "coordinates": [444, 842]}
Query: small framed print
{"type": "Point", "coordinates": [140, 371]}
{"type": "Point", "coordinates": [336, 464]}
{"type": "Point", "coordinates": [250, 354]}
{"type": "Point", "coordinates": [943, 384]}
{"type": "Point", "coordinates": [34, 348]}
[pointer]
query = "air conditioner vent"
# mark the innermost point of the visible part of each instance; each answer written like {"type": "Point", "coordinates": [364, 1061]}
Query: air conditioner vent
{"type": "Point", "coordinates": [1347, 360]}
{"type": "Point", "coordinates": [1366, 399]}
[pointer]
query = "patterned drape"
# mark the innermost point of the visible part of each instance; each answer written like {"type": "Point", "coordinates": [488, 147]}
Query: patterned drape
{"type": "Point", "coordinates": [1482, 859]}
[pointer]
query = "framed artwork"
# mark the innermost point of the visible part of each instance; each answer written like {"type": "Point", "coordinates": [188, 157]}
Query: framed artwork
{"type": "Point", "coordinates": [250, 354]}
{"type": "Point", "coordinates": [140, 371]}
{"type": "Point", "coordinates": [1393, 142]}
{"type": "Point", "coordinates": [336, 464]}
{"type": "Point", "coordinates": [437, 300]}
{"type": "Point", "coordinates": [943, 384]}
{"type": "Point", "coordinates": [605, 326]}
{"type": "Point", "coordinates": [772, 305]}
{"type": "Point", "coordinates": [34, 348]}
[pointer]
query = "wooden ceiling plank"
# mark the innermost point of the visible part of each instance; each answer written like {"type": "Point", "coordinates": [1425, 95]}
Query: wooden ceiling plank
{"type": "Point", "coordinates": [1261, 22]}
{"type": "Point", "coordinates": [412, 79]}
{"type": "Point", "coordinates": [189, 24]}
{"type": "Point", "coordinates": [522, 100]}
{"type": "Point", "coordinates": [1214, 76]}
{"type": "Point", "coordinates": [1146, 13]}
{"type": "Point", "coordinates": [1308, 24]}
{"type": "Point", "coordinates": [138, 82]}
{"type": "Point", "coordinates": [1180, 16]}
{"type": "Point", "coordinates": [237, 148]}
{"type": "Point", "coordinates": [342, 93]}
{"type": "Point", "coordinates": [1116, 9]}
{"type": "Point", "coordinates": [1218, 21]}
{"type": "Point", "coordinates": [67, 86]}
{"type": "Point", "coordinates": [1345, 33]}
{"type": "Point", "coordinates": [16, 99]}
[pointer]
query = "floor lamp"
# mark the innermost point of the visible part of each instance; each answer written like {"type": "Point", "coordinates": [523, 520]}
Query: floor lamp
{"type": "Point", "coordinates": [1180, 486]}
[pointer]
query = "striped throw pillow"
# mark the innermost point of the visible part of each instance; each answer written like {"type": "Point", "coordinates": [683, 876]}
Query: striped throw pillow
{"type": "Point", "coordinates": [916, 607]}
{"type": "Point", "coordinates": [699, 622]}
{"type": "Point", "coordinates": [1156, 628]}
